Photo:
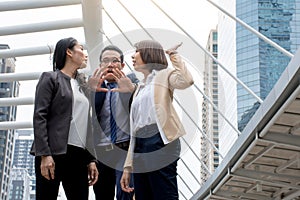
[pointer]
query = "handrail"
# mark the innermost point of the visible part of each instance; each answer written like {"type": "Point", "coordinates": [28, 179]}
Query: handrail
{"type": "Point", "coordinates": [9, 77]}
{"type": "Point", "coordinates": [32, 4]}
{"type": "Point", "coordinates": [41, 26]}
{"type": "Point", "coordinates": [210, 55]}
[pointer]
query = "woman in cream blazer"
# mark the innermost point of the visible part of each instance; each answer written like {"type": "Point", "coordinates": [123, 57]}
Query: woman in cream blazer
{"type": "Point", "coordinates": [155, 126]}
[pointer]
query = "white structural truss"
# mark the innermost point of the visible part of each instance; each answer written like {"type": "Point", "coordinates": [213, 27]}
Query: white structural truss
{"type": "Point", "coordinates": [264, 162]}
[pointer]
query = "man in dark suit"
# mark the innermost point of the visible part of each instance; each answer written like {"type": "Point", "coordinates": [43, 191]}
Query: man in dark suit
{"type": "Point", "coordinates": [112, 110]}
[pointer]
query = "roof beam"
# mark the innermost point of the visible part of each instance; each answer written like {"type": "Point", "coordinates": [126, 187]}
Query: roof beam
{"type": "Point", "coordinates": [10, 77]}
{"type": "Point", "coordinates": [31, 4]}
{"type": "Point", "coordinates": [16, 101]}
{"type": "Point", "coordinates": [232, 194]}
{"type": "Point", "coordinates": [92, 17]}
{"type": "Point", "coordinates": [283, 138]}
{"type": "Point", "coordinates": [41, 26]}
{"type": "Point", "coordinates": [292, 195]}
{"type": "Point", "coordinates": [15, 125]}
{"type": "Point", "coordinates": [268, 177]}
{"type": "Point", "coordinates": [259, 154]}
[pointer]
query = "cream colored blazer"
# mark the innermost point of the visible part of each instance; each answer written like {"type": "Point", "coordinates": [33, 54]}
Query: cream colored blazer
{"type": "Point", "coordinates": [165, 82]}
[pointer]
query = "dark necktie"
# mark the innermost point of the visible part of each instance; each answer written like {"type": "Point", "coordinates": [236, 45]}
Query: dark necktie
{"type": "Point", "coordinates": [113, 124]}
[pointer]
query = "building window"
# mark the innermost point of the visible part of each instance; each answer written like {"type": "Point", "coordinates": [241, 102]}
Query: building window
{"type": "Point", "coordinates": [215, 48]}
{"type": "Point", "coordinates": [215, 36]}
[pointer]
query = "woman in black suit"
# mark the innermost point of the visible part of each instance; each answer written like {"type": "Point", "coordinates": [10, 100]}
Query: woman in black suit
{"type": "Point", "coordinates": [61, 123]}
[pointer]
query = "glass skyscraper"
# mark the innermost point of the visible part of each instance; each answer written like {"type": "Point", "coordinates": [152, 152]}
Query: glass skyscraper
{"type": "Point", "coordinates": [259, 65]}
{"type": "Point", "coordinates": [7, 113]}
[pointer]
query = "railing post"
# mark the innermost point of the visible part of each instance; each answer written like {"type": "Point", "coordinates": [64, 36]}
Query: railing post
{"type": "Point", "coordinates": [92, 18]}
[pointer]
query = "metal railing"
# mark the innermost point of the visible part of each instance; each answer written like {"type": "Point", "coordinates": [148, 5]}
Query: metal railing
{"type": "Point", "coordinates": [94, 30]}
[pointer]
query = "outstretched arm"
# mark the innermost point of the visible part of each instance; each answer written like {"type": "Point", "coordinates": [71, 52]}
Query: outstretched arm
{"type": "Point", "coordinates": [180, 78]}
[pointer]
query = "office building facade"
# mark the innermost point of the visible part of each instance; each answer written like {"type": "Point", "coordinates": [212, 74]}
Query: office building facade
{"type": "Point", "coordinates": [23, 160]}
{"type": "Point", "coordinates": [19, 184]}
{"type": "Point", "coordinates": [259, 65]}
{"type": "Point", "coordinates": [7, 113]}
{"type": "Point", "coordinates": [210, 124]}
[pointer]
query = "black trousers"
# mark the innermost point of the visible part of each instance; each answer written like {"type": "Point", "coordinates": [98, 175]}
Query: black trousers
{"type": "Point", "coordinates": [110, 167]}
{"type": "Point", "coordinates": [70, 170]}
{"type": "Point", "coordinates": [155, 166]}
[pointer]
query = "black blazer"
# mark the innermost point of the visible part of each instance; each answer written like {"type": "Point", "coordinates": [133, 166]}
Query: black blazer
{"type": "Point", "coordinates": [98, 101]}
{"type": "Point", "coordinates": [52, 114]}
{"type": "Point", "coordinates": [125, 97]}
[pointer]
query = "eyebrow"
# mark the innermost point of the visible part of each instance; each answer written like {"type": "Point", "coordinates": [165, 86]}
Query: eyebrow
{"type": "Point", "coordinates": [110, 57]}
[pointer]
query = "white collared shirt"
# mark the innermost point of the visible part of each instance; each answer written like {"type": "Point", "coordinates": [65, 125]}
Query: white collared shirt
{"type": "Point", "coordinates": [143, 109]}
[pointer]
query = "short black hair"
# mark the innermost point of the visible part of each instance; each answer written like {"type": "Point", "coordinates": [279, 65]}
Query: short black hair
{"type": "Point", "coordinates": [112, 48]}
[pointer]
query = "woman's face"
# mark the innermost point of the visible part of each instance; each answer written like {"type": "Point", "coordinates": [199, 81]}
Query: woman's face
{"type": "Point", "coordinates": [137, 61]}
{"type": "Point", "coordinates": [79, 56]}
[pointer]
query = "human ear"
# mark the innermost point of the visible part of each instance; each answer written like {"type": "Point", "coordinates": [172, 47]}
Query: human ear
{"type": "Point", "coordinates": [69, 52]}
{"type": "Point", "coordinates": [122, 65]}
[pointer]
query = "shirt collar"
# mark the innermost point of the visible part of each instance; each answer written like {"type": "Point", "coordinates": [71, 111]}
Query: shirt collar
{"type": "Point", "coordinates": [150, 77]}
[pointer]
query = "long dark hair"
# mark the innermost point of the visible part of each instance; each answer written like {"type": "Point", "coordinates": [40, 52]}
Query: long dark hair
{"type": "Point", "coordinates": [60, 52]}
{"type": "Point", "coordinates": [59, 60]}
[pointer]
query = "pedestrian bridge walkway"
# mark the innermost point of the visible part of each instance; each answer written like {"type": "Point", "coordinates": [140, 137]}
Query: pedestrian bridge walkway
{"type": "Point", "coordinates": [263, 161]}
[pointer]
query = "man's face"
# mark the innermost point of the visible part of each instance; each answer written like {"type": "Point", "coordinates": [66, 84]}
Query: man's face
{"type": "Point", "coordinates": [110, 60]}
